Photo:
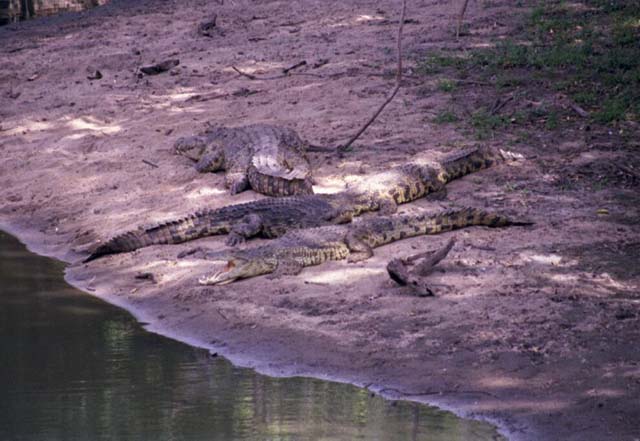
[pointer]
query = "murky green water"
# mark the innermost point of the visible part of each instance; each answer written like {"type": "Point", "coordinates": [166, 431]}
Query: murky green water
{"type": "Point", "coordinates": [75, 368]}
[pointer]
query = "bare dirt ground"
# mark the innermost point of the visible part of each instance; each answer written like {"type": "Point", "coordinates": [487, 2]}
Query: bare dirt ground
{"type": "Point", "coordinates": [534, 329]}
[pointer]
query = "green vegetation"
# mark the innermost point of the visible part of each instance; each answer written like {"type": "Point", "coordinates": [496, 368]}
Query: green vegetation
{"type": "Point", "coordinates": [485, 123]}
{"type": "Point", "coordinates": [437, 63]}
{"type": "Point", "coordinates": [587, 50]}
{"type": "Point", "coordinates": [445, 117]}
{"type": "Point", "coordinates": [447, 85]}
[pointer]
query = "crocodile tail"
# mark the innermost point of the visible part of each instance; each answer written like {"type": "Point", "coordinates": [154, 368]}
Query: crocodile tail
{"type": "Point", "coordinates": [408, 226]}
{"type": "Point", "coordinates": [200, 224]}
{"type": "Point", "coordinates": [382, 230]}
{"type": "Point", "coordinates": [472, 160]}
{"type": "Point", "coordinates": [468, 217]}
{"type": "Point", "coordinates": [129, 241]}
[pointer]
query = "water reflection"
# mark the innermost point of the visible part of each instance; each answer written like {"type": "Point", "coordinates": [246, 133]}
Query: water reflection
{"type": "Point", "coordinates": [75, 368]}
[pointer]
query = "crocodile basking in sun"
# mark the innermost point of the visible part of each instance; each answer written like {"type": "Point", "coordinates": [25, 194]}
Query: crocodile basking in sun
{"type": "Point", "coordinates": [273, 217]}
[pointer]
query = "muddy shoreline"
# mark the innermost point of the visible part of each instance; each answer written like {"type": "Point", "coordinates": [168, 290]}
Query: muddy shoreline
{"type": "Point", "coordinates": [256, 350]}
{"type": "Point", "coordinates": [532, 329]}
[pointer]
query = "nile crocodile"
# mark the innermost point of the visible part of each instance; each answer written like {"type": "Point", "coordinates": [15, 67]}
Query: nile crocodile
{"type": "Point", "coordinates": [271, 218]}
{"type": "Point", "coordinates": [268, 218]}
{"type": "Point", "coordinates": [267, 158]}
{"type": "Point", "coordinates": [300, 248]}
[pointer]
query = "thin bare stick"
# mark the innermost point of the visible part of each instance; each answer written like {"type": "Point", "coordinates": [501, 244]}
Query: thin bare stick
{"type": "Point", "coordinates": [394, 91]}
{"type": "Point", "coordinates": [244, 74]}
{"type": "Point", "coordinates": [499, 104]}
{"type": "Point", "coordinates": [295, 66]}
{"type": "Point", "coordinates": [150, 163]}
{"type": "Point", "coordinates": [579, 110]}
{"type": "Point", "coordinates": [277, 77]}
{"type": "Point", "coordinates": [463, 9]}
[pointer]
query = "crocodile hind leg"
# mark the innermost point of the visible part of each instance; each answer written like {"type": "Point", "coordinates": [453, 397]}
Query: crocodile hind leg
{"type": "Point", "coordinates": [339, 215]}
{"type": "Point", "coordinates": [359, 250]}
{"type": "Point", "coordinates": [249, 226]}
{"type": "Point", "coordinates": [236, 182]}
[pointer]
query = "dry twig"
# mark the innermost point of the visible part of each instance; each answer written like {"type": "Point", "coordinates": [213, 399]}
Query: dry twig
{"type": "Point", "coordinates": [463, 9]}
{"type": "Point", "coordinates": [277, 77]}
{"type": "Point", "coordinates": [579, 110]}
{"type": "Point", "coordinates": [499, 104]}
{"type": "Point", "coordinates": [394, 91]}
{"type": "Point", "coordinates": [150, 163]}
{"type": "Point", "coordinates": [295, 66]}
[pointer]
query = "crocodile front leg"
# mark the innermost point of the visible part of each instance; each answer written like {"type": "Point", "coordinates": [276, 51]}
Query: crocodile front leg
{"type": "Point", "coordinates": [359, 249]}
{"type": "Point", "coordinates": [249, 226]}
{"type": "Point", "coordinates": [211, 162]}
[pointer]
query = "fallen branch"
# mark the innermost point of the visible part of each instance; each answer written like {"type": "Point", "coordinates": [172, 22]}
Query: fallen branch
{"type": "Point", "coordinates": [425, 267]}
{"type": "Point", "coordinates": [579, 110]}
{"type": "Point", "coordinates": [400, 272]}
{"type": "Point", "coordinates": [394, 91]}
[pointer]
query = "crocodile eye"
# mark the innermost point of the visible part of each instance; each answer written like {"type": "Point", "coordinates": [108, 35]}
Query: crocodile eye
{"type": "Point", "coordinates": [228, 267]}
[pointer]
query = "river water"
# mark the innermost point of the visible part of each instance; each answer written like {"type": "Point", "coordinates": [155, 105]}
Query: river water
{"type": "Point", "coordinates": [73, 367]}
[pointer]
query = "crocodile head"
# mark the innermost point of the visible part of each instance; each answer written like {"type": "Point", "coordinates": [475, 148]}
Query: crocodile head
{"type": "Point", "coordinates": [240, 268]}
{"type": "Point", "coordinates": [193, 147]}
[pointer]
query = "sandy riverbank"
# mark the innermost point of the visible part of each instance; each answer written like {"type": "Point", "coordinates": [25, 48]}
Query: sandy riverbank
{"type": "Point", "coordinates": [535, 329]}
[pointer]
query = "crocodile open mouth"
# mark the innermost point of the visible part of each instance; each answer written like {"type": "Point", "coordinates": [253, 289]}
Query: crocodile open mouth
{"type": "Point", "coordinates": [221, 277]}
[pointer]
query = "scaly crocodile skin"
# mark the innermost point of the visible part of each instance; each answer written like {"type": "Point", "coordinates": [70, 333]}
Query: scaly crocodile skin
{"type": "Point", "coordinates": [267, 158]}
{"type": "Point", "coordinates": [273, 217]}
{"type": "Point", "coordinates": [300, 248]}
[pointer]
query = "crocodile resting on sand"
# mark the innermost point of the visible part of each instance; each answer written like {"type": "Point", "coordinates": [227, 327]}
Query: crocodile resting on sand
{"type": "Point", "coordinates": [271, 218]}
{"type": "Point", "coordinates": [297, 249]}
{"type": "Point", "coordinates": [269, 159]}
{"type": "Point", "coordinates": [268, 218]}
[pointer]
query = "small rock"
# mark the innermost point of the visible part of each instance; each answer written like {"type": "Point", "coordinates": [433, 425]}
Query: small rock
{"type": "Point", "coordinates": [95, 76]}
{"type": "Point", "coordinates": [159, 68]}
{"type": "Point", "coordinates": [624, 314]}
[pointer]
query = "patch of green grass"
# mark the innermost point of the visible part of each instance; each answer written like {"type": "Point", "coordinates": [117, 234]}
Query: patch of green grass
{"type": "Point", "coordinates": [586, 97]}
{"type": "Point", "coordinates": [437, 63]}
{"type": "Point", "coordinates": [590, 53]}
{"type": "Point", "coordinates": [598, 52]}
{"type": "Point", "coordinates": [505, 80]}
{"type": "Point", "coordinates": [613, 109]}
{"type": "Point", "coordinates": [447, 85]}
{"type": "Point", "coordinates": [445, 117]}
{"type": "Point", "coordinates": [523, 137]}
{"type": "Point", "coordinates": [553, 121]}
{"type": "Point", "coordinates": [486, 123]}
